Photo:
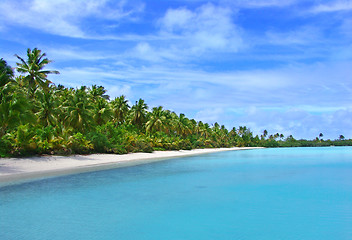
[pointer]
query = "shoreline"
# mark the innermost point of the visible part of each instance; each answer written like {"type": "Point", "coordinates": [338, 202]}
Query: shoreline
{"type": "Point", "coordinates": [20, 170]}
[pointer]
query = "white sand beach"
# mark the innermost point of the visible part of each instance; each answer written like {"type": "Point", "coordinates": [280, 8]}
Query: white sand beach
{"type": "Point", "coordinates": [15, 170]}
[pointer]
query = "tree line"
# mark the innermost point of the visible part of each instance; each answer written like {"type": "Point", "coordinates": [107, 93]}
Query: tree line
{"type": "Point", "coordinates": [39, 117]}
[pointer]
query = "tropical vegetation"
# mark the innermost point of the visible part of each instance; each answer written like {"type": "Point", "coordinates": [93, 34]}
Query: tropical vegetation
{"type": "Point", "coordinates": [40, 117]}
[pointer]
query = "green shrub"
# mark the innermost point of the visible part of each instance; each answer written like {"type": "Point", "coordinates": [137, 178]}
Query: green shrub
{"type": "Point", "coordinates": [100, 142]}
{"type": "Point", "coordinates": [22, 141]}
{"type": "Point", "coordinates": [79, 144]}
{"type": "Point", "coordinates": [5, 147]}
{"type": "Point", "coordinates": [270, 144]}
{"type": "Point", "coordinates": [119, 149]}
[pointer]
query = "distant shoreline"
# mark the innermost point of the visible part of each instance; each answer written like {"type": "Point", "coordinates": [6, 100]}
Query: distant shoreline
{"type": "Point", "coordinates": [19, 170]}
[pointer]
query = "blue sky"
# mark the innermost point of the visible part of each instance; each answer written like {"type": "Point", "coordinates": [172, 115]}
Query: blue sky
{"type": "Point", "coordinates": [284, 66]}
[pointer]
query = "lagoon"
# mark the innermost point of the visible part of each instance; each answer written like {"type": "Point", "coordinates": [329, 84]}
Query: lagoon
{"type": "Point", "coordinates": [287, 193]}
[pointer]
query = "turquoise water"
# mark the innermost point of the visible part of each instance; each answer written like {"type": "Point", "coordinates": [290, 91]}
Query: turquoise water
{"type": "Point", "coordinates": [296, 193]}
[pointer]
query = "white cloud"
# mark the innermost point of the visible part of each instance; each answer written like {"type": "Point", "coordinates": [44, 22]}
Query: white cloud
{"type": "Point", "coordinates": [71, 53]}
{"type": "Point", "coordinates": [346, 27]}
{"type": "Point", "coordinates": [62, 17]}
{"type": "Point", "coordinates": [262, 3]}
{"type": "Point", "coordinates": [307, 35]}
{"type": "Point", "coordinates": [302, 100]}
{"type": "Point", "coordinates": [116, 91]}
{"type": "Point", "coordinates": [210, 115]}
{"type": "Point", "coordinates": [301, 123]}
{"type": "Point", "coordinates": [251, 3]}
{"type": "Point", "coordinates": [189, 59]}
{"type": "Point", "coordinates": [147, 52]}
{"type": "Point", "coordinates": [208, 27]}
{"type": "Point", "coordinates": [326, 85]}
{"type": "Point", "coordinates": [176, 19]}
{"type": "Point", "coordinates": [298, 121]}
{"type": "Point", "coordinates": [342, 5]}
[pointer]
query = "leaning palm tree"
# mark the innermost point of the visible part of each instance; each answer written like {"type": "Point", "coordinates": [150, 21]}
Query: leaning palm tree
{"type": "Point", "coordinates": [33, 68]}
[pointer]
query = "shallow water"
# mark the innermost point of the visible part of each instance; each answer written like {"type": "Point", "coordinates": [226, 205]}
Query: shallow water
{"type": "Point", "coordinates": [296, 193]}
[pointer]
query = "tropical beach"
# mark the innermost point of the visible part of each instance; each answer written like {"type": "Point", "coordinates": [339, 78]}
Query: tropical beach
{"type": "Point", "coordinates": [192, 120]}
{"type": "Point", "coordinates": [39, 117]}
{"type": "Point", "coordinates": [14, 170]}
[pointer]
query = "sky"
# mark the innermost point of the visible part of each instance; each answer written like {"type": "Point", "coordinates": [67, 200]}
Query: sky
{"type": "Point", "coordinates": [280, 65]}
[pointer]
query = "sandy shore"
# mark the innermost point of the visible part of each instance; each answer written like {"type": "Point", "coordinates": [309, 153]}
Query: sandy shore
{"type": "Point", "coordinates": [15, 170]}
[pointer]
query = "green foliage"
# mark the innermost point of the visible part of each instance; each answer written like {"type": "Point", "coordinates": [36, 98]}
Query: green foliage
{"type": "Point", "coordinates": [120, 109]}
{"type": "Point", "coordinates": [136, 143]}
{"type": "Point", "coordinates": [139, 113]}
{"type": "Point", "coordinates": [33, 70]}
{"type": "Point", "coordinates": [39, 118]}
{"type": "Point", "coordinates": [270, 143]}
{"type": "Point", "coordinates": [79, 144]}
{"type": "Point", "coordinates": [5, 147]}
{"type": "Point", "coordinates": [79, 111]}
{"type": "Point", "coordinates": [46, 108]}
{"type": "Point", "coordinates": [15, 109]}
{"type": "Point", "coordinates": [100, 142]}
{"type": "Point", "coordinates": [6, 73]}
{"type": "Point", "coordinates": [22, 140]}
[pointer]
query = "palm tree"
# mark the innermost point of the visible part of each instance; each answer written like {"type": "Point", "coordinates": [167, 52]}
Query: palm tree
{"type": "Point", "coordinates": [33, 68]}
{"type": "Point", "coordinates": [182, 125]}
{"type": "Point", "coordinates": [241, 130]}
{"type": "Point", "coordinates": [6, 73]}
{"type": "Point", "coordinates": [14, 108]}
{"type": "Point", "coordinates": [233, 132]}
{"type": "Point", "coordinates": [79, 111]}
{"type": "Point", "coordinates": [223, 136]}
{"type": "Point", "coordinates": [157, 121]}
{"type": "Point", "coordinates": [192, 125]}
{"type": "Point", "coordinates": [207, 131]}
{"type": "Point", "coordinates": [265, 134]}
{"type": "Point", "coordinates": [246, 135]}
{"type": "Point", "coordinates": [138, 113]}
{"type": "Point", "coordinates": [120, 109]}
{"type": "Point", "coordinates": [199, 128]}
{"type": "Point", "coordinates": [98, 92]}
{"type": "Point", "coordinates": [63, 97]}
{"type": "Point", "coordinates": [47, 108]}
{"type": "Point", "coordinates": [102, 111]}
{"type": "Point", "coordinates": [216, 127]}
{"type": "Point", "coordinates": [233, 135]}
{"type": "Point", "coordinates": [276, 136]}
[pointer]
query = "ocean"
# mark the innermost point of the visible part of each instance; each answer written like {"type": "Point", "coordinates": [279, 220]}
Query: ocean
{"type": "Point", "coordinates": [283, 193]}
